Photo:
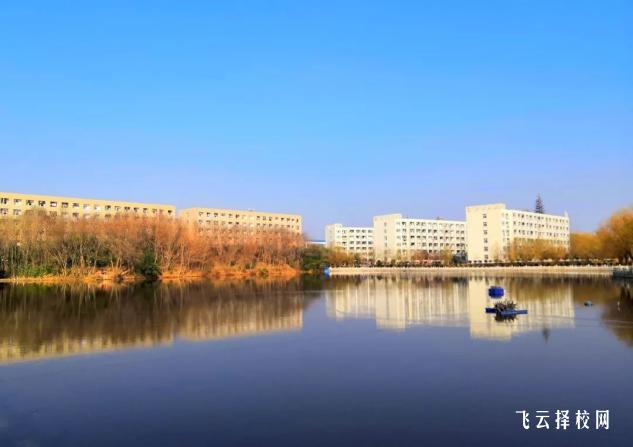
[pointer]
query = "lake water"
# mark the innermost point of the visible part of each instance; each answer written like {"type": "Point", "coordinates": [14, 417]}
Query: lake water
{"type": "Point", "coordinates": [314, 362]}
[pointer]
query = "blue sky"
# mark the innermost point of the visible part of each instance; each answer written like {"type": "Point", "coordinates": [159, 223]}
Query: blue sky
{"type": "Point", "coordinates": [334, 110]}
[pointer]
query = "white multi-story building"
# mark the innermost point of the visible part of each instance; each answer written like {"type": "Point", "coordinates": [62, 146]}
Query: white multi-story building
{"type": "Point", "coordinates": [248, 220]}
{"type": "Point", "coordinates": [353, 240]}
{"type": "Point", "coordinates": [400, 238]}
{"type": "Point", "coordinates": [492, 228]}
{"type": "Point", "coordinates": [17, 204]}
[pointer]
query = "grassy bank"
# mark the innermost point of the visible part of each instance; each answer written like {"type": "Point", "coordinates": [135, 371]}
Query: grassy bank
{"type": "Point", "coordinates": [217, 272]}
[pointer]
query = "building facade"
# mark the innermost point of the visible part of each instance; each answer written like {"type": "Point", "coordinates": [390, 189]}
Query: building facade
{"type": "Point", "coordinates": [492, 228]}
{"type": "Point", "coordinates": [400, 238]}
{"type": "Point", "coordinates": [217, 218]}
{"type": "Point", "coordinates": [352, 240]}
{"type": "Point", "coordinates": [15, 204]}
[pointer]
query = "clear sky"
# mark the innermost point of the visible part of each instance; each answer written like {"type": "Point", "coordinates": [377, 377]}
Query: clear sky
{"type": "Point", "coordinates": [335, 110]}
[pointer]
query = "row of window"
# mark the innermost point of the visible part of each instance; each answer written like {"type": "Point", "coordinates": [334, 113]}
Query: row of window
{"type": "Point", "coordinates": [220, 215]}
{"type": "Point", "coordinates": [404, 230]}
{"type": "Point", "coordinates": [19, 203]}
{"type": "Point", "coordinates": [19, 212]}
{"type": "Point", "coordinates": [539, 217]}
{"type": "Point", "coordinates": [531, 216]}
{"type": "Point", "coordinates": [352, 231]}
{"type": "Point", "coordinates": [435, 238]}
{"type": "Point", "coordinates": [432, 248]}
{"type": "Point", "coordinates": [246, 225]}
{"type": "Point", "coordinates": [536, 225]}
{"type": "Point", "coordinates": [430, 224]}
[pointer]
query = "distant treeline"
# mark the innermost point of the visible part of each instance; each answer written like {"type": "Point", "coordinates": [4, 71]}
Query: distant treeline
{"type": "Point", "coordinates": [613, 240]}
{"type": "Point", "coordinates": [36, 244]}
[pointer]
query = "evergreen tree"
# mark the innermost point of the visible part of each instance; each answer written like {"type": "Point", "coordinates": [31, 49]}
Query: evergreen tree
{"type": "Point", "coordinates": [538, 207]}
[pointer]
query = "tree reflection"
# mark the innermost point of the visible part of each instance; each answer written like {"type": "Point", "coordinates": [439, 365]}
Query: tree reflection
{"type": "Point", "coordinates": [618, 314]}
{"type": "Point", "coordinates": [42, 321]}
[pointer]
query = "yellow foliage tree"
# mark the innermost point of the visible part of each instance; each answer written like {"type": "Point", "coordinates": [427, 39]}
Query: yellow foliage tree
{"type": "Point", "coordinates": [534, 250]}
{"type": "Point", "coordinates": [585, 246]}
{"type": "Point", "coordinates": [616, 235]}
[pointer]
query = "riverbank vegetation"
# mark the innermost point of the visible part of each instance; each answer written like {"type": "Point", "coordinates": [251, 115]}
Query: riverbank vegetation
{"type": "Point", "coordinates": [613, 240]}
{"type": "Point", "coordinates": [41, 246]}
{"type": "Point", "coordinates": [314, 258]}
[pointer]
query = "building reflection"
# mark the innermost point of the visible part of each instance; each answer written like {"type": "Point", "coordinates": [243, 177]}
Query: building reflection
{"type": "Point", "coordinates": [39, 322]}
{"type": "Point", "coordinates": [397, 303]}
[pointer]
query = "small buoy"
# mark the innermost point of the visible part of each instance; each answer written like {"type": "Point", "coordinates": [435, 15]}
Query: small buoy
{"type": "Point", "coordinates": [588, 303]}
{"type": "Point", "coordinates": [495, 292]}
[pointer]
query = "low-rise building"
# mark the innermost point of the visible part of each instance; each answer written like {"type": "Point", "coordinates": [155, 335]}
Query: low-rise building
{"type": "Point", "coordinates": [219, 218]}
{"type": "Point", "coordinates": [352, 240]}
{"type": "Point", "coordinates": [16, 204]}
{"type": "Point", "coordinates": [400, 238]}
{"type": "Point", "coordinates": [492, 228]}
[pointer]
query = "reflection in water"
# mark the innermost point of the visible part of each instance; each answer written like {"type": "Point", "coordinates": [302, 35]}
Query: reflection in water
{"type": "Point", "coordinates": [48, 321]}
{"type": "Point", "coordinates": [618, 313]}
{"type": "Point", "coordinates": [549, 305]}
{"type": "Point", "coordinates": [396, 303]}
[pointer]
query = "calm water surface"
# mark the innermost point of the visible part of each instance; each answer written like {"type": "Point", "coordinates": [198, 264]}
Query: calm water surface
{"type": "Point", "coordinates": [345, 361]}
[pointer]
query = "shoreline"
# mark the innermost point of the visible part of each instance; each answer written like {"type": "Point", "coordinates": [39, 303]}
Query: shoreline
{"type": "Point", "coordinates": [272, 272]}
{"type": "Point", "coordinates": [482, 271]}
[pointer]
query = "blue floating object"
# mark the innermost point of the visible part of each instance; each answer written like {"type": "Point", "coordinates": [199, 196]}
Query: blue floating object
{"type": "Point", "coordinates": [495, 292]}
{"type": "Point", "coordinates": [326, 271]}
{"type": "Point", "coordinates": [510, 313]}
{"type": "Point", "coordinates": [588, 303]}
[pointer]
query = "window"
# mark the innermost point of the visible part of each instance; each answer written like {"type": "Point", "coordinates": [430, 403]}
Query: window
{"type": "Point", "coordinates": [64, 204]}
